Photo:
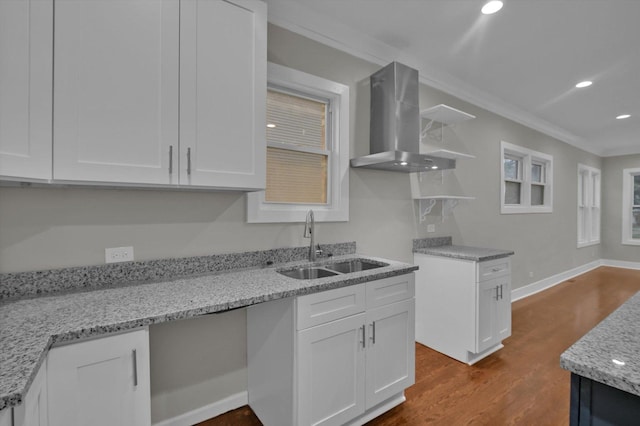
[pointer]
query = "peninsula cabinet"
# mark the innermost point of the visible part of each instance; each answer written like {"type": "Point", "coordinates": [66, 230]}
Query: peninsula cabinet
{"type": "Point", "coordinates": [26, 30]}
{"type": "Point", "coordinates": [463, 307]}
{"type": "Point", "coordinates": [100, 382]}
{"type": "Point", "coordinates": [341, 356]}
{"type": "Point", "coordinates": [33, 410]}
{"type": "Point", "coordinates": [6, 417]}
{"type": "Point", "coordinates": [160, 93]}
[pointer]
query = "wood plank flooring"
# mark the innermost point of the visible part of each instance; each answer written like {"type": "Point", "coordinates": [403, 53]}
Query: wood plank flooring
{"type": "Point", "coordinates": [521, 384]}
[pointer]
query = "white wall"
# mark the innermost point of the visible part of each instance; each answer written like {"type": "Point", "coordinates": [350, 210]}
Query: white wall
{"type": "Point", "coordinates": [59, 227]}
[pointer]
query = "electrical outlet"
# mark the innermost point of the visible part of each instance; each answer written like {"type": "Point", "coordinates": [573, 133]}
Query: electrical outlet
{"type": "Point", "coordinates": [431, 228]}
{"type": "Point", "coordinates": [118, 254]}
{"type": "Point", "coordinates": [530, 274]}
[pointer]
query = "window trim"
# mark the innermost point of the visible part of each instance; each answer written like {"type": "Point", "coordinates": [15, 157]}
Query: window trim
{"type": "Point", "coordinates": [337, 207]}
{"type": "Point", "coordinates": [627, 197]}
{"type": "Point", "coordinates": [527, 157]}
{"type": "Point", "coordinates": [593, 201]}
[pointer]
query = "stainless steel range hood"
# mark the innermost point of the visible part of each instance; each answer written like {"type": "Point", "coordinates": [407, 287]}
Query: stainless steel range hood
{"type": "Point", "coordinates": [395, 124]}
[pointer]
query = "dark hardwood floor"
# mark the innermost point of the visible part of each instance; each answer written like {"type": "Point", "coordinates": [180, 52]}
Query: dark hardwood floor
{"type": "Point", "coordinates": [522, 384]}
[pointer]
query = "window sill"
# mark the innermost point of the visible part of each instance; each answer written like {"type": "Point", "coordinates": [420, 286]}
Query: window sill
{"type": "Point", "coordinates": [588, 244]}
{"type": "Point", "coordinates": [631, 242]}
{"type": "Point", "coordinates": [525, 209]}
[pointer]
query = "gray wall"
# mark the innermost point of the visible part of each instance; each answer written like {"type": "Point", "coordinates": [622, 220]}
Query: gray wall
{"type": "Point", "coordinates": [612, 246]}
{"type": "Point", "coordinates": [52, 228]}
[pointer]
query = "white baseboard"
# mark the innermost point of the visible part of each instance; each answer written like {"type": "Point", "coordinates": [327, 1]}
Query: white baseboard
{"type": "Point", "coordinates": [620, 264]}
{"type": "Point", "coordinates": [538, 286]}
{"type": "Point", "coordinates": [208, 411]}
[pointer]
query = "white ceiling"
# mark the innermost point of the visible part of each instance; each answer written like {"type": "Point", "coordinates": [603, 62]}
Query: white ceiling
{"type": "Point", "coordinates": [522, 62]}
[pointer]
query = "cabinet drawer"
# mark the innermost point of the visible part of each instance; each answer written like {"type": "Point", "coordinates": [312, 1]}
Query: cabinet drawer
{"type": "Point", "coordinates": [390, 290]}
{"type": "Point", "coordinates": [493, 268]}
{"type": "Point", "coordinates": [319, 308]}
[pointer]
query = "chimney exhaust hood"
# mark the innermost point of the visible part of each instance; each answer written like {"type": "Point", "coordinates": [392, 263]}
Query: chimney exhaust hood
{"type": "Point", "coordinates": [395, 124]}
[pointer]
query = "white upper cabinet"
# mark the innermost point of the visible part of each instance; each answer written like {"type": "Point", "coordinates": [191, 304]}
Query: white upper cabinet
{"type": "Point", "coordinates": [160, 93]}
{"type": "Point", "coordinates": [116, 90]}
{"type": "Point", "coordinates": [26, 30]}
{"type": "Point", "coordinates": [223, 93]}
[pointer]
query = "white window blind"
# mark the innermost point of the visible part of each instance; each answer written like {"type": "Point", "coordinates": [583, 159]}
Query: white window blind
{"type": "Point", "coordinates": [297, 149]}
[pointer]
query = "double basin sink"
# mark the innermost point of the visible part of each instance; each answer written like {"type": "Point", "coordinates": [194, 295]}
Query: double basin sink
{"type": "Point", "coordinates": [310, 272]}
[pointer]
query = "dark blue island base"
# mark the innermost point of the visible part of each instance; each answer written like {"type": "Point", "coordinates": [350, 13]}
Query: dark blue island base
{"type": "Point", "coordinates": [596, 404]}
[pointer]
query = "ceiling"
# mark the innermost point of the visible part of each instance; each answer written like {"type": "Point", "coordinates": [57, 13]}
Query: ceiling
{"type": "Point", "coordinates": [522, 62]}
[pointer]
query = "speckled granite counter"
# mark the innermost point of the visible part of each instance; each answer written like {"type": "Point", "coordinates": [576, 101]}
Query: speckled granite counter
{"type": "Point", "coordinates": [30, 326]}
{"type": "Point", "coordinates": [610, 352]}
{"type": "Point", "coordinates": [442, 247]}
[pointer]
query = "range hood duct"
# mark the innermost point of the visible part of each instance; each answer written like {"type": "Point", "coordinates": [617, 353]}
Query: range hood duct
{"type": "Point", "coordinates": [395, 124]}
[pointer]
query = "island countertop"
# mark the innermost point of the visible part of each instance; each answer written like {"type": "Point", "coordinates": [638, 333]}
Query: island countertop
{"type": "Point", "coordinates": [610, 352]}
{"type": "Point", "coordinates": [30, 326]}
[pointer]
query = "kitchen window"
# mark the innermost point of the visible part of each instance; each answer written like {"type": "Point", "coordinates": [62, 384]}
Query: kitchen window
{"type": "Point", "coordinates": [631, 207]}
{"type": "Point", "coordinates": [307, 150]}
{"type": "Point", "coordinates": [527, 178]}
{"type": "Point", "coordinates": [588, 205]}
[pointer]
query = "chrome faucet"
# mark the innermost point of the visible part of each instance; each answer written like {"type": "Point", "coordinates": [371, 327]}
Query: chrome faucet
{"type": "Point", "coordinates": [309, 232]}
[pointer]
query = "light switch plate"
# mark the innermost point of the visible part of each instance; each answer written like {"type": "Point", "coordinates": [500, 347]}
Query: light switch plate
{"type": "Point", "coordinates": [431, 228]}
{"type": "Point", "coordinates": [118, 254]}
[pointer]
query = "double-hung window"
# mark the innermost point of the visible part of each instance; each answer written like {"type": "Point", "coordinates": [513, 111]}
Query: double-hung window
{"type": "Point", "coordinates": [631, 207]}
{"type": "Point", "coordinates": [588, 205]}
{"type": "Point", "coordinates": [307, 150]}
{"type": "Point", "coordinates": [527, 178]}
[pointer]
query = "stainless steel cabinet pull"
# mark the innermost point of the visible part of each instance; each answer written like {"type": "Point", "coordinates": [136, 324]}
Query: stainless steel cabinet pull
{"type": "Point", "coordinates": [170, 159]}
{"type": "Point", "coordinates": [497, 293]}
{"type": "Point", "coordinates": [500, 291]}
{"type": "Point", "coordinates": [373, 332]}
{"type": "Point", "coordinates": [189, 161]}
{"type": "Point", "coordinates": [363, 341]}
{"type": "Point", "coordinates": [135, 367]}
{"type": "Point", "coordinates": [495, 269]}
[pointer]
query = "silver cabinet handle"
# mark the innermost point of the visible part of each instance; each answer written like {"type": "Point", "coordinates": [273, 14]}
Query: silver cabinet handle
{"type": "Point", "coordinates": [495, 269]}
{"type": "Point", "coordinates": [170, 159]}
{"type": "Point", "coordinates": [500, 291]}
{"type": "Point", "coordinates": [189, 161]}
{"type": "Point", "coordinates": [135, 367]}
{"type": "Point", "coordinates": [373, 332]}
{"type": "Point", "coordinates": [363, 341]}
{"type": "Point", "coordinates": [497, 293]}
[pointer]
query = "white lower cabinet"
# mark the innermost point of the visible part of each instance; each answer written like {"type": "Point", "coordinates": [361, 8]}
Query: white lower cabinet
{"type": "Point", "coordinates": [100, 382]}
{"type": "Point", "coordinates": [6, 417]}
{"type": "Point", "coordinates": [337, 357]}
{"type": "Point", "coordinates": [463, 307]}
{"type": "Point", "coordinates": [33, 410]}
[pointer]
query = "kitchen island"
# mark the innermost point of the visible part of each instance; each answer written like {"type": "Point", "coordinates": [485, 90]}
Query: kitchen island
{"type": "Point", "coordinates": [605, 370]}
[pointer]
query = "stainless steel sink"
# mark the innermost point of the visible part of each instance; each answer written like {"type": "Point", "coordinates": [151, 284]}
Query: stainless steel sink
{"type": "Point", "coordinates": [355, 265]}
{"type": "Point", "coordinates": [307, 273]}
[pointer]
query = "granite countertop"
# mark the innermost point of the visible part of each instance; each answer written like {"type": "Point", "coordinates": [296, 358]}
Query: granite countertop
{"type": "Point", "coordinates": [609, 353]}
{"type": "Point", "coordinates": [28, 327]}
{"type": "Point", "coordinates": [477, 254]}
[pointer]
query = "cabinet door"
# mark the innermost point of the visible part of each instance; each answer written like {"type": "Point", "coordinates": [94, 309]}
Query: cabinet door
{"type": "Point", "coordinates": [116, 90]}
{"type": "Point", "coordinates": [331, 367]}
{"type": "Point", "coordinates": [102, 382]}
{"type": "Point", "coordinates": [5, 417]}
{"type": "Point", "coordinates": [33, 410]}
{"type": "Point", "coordinates": [503, 307]}
{"type": "Point", "coordinates": [223, 93]}
{"type": "Point", "coordinates": [391, 351]}
{"type": "Point", "coordinates": [26, 49]}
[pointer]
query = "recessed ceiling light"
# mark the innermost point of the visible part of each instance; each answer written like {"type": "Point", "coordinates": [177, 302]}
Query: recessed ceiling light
{"type": "Point", "coordinates": [585, 83]}
{"type": "Point", "coordinates": [271, 125]}
{"type": "Point", "coordinates": [403, 163]}
{"type": "Point", "coordinates": [434, 167]}
{"type": "Point", "coordinates": [491, 7]}
{"type": "Point", "coordinates": [623, 116]}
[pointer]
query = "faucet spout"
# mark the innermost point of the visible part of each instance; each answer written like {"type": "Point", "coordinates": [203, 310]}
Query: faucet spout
{"type": "Point", "coordinates": [309, 232]}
